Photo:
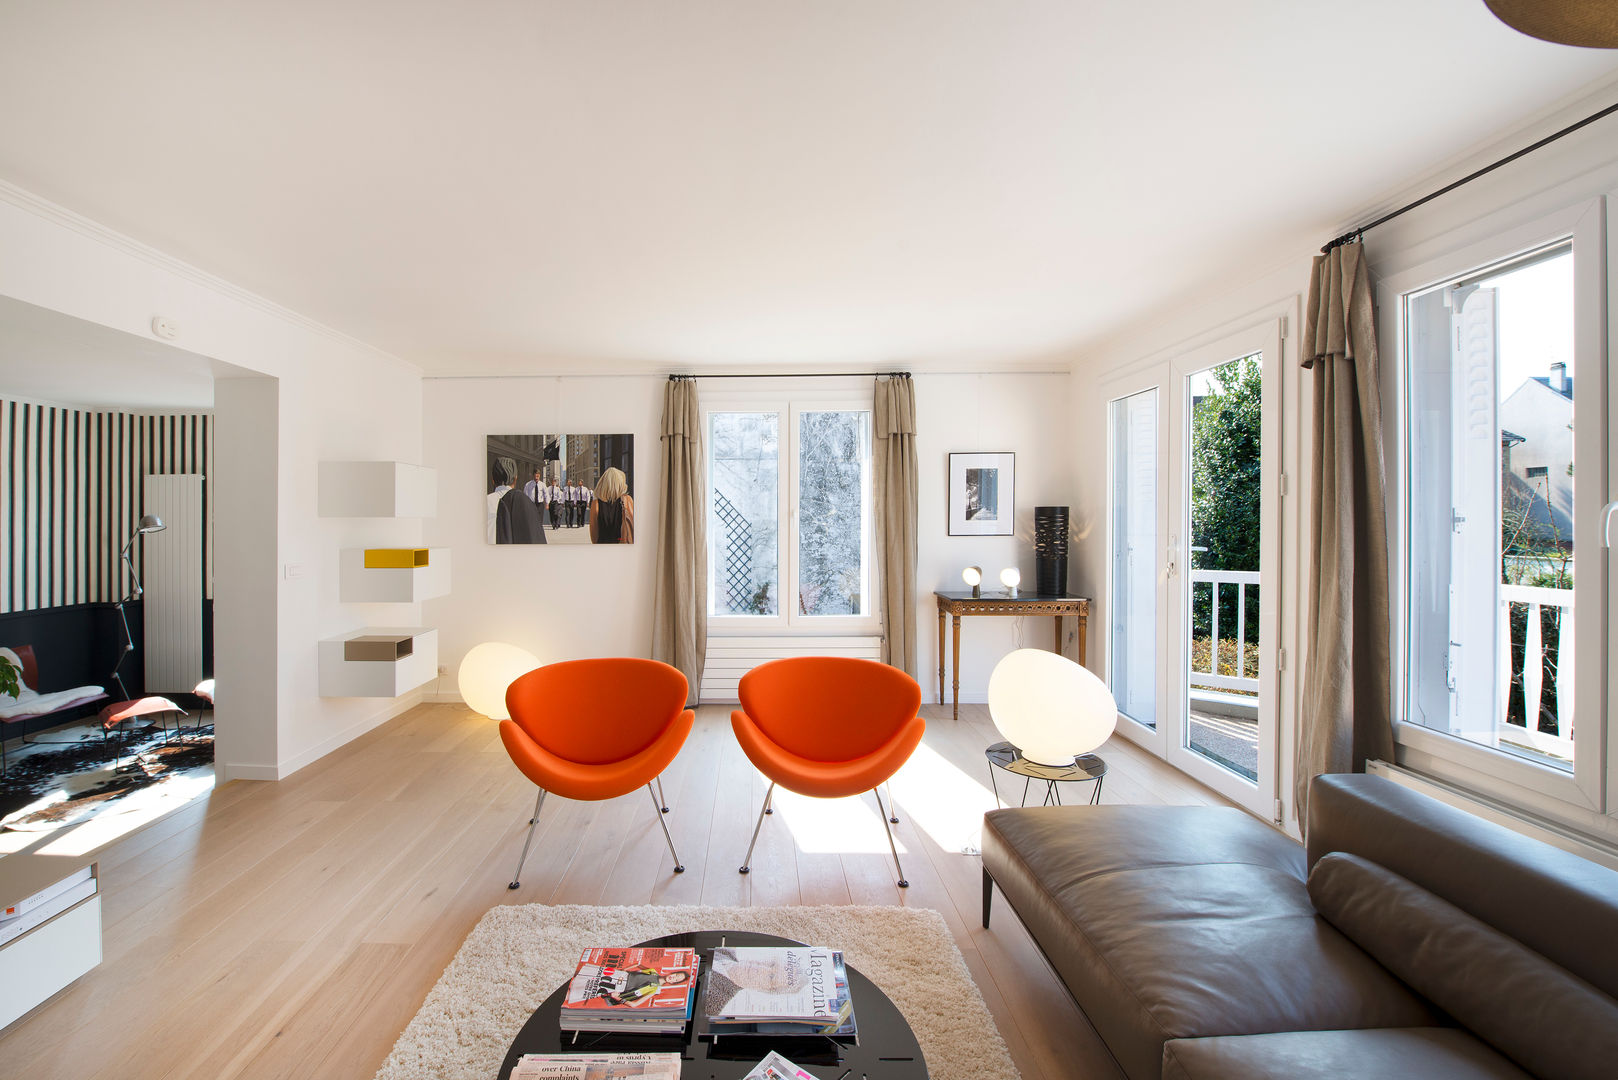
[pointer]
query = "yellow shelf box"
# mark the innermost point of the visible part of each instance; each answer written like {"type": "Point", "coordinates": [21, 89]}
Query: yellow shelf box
{"type": "Point", "coordinates": [395, 558]}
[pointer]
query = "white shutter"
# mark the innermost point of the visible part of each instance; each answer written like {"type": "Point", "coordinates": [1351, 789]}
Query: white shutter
{"type": "Point", "coordinates": [1480, 668]}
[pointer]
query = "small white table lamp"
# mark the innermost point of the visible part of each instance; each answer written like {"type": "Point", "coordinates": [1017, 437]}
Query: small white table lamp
{"type": "Point", "coordinates": [1011, 577]}
{"type": "Point", "coordinates": [485, 673]}
{"type": "Point", "coordinates": [1050, 708]}
{"type": "Point", "coordinates": [973, 576]}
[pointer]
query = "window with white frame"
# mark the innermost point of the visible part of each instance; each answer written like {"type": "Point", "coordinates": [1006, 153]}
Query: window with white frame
{"type": "Point", "coordinates": [789, 512]}
{"type": "Point", "coordinates": [1500, 491]}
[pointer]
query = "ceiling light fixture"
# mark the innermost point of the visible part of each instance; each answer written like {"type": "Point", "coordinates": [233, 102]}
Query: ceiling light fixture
{"type": "Point", "coordinates": [1588, 24]}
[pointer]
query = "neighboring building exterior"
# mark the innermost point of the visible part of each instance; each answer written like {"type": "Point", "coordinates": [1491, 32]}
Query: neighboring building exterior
{"type": "Point", "coordinates": [1539, 468]}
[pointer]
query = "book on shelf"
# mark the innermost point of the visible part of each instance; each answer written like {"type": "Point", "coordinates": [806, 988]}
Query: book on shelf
{"type": "Point", "coordinates": [48, 893]}
{"type": "Point", "coordinates": [631, 989]}
{"type": "Point", "coordinates": [789, 990]}
{"type": "Point", "coordinates": [597, 1067]}
{"type": "Point", "coordinates": [47, 904]}
{"type": "Point", "coordinates": [776, 1067]}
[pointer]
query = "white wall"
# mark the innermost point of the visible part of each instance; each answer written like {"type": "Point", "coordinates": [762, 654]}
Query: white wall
{"type": "Point", "coordinates": [562, 601]}
{"type": "Point", "coordinates": [572, 601]}
{"type": "Point", "coordinates": [1030, 415]}
{"type": "Point", "coordinates": [334, 398]}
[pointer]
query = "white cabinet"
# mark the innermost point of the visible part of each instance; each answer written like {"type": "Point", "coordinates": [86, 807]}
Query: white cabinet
{"type": "Point", "coordinates": [358, 583]}
{"type": "Point", "coordinates": [377, 489]}
{"type": "Point", "coordinates": [342, 677]}
{"type": "Point", "coordinates": [64, 945]}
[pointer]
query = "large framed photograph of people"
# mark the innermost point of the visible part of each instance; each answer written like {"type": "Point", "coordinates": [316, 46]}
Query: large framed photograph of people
{"type": "Point", "coordinates": [982, 494]}
{"type": "Point", "coordinates": [560, 489]}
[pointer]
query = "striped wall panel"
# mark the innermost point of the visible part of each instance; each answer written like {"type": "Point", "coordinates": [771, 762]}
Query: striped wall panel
{"type": "Point", "coordinates": [71, 486]}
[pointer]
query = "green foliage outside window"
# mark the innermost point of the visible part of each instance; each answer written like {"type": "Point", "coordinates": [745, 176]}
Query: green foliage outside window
{"type": "Point", "coordinates": [1226, 430]}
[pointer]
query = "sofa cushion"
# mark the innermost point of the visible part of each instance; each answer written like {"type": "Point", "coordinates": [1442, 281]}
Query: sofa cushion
{"type": "Point", "coordinates": [1386, 1053]}
{"type": "Point", "coordinates": [1563, 907]}
{"type": "Point", "coordinates": [1171, 922]}
{"type": "Point", "coordinates": [1545, 1019]}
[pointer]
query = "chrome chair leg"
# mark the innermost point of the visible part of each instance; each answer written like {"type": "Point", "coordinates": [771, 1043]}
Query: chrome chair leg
{"type": "Point", "coordinates": [662, 803]}
{"type": "Point", "coordinates": [745, 867]}
{"type": "Point", "coordinates": [903, 884]}
{"type": "Point", "coordinates": [893, 807]}
{"type": "Point", "coordinates": [533, 822]}
{"type": "Point", "coordinates": [679, 867]}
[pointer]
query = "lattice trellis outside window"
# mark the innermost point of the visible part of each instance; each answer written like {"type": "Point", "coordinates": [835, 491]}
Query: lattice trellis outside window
{"type": "Point", "coordinates": [738, 546]}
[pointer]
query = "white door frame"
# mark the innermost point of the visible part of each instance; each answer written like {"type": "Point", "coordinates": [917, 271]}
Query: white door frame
{"type": "Point", "coordinates": [1262, 338]}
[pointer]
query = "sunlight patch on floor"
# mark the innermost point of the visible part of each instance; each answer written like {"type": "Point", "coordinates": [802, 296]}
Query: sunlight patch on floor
{"type": "Point", "coordinates": [131, 812]}
{"type": "Point", "coordinates": [945, 802]}
{"type": "Point", "coordinates": [831, 826]}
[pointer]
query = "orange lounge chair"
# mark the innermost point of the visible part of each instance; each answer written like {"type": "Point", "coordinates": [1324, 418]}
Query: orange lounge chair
{"type": "Point", "coordinates": [830, 727]}
{"type": "Point", "coordinates": [596, 729]}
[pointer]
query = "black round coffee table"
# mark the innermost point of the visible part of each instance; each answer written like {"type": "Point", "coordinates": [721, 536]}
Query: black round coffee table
{"type": "Point", "coordinates": [887, 1048]}
{"type": "Point", "coordinates": [1003, 755]}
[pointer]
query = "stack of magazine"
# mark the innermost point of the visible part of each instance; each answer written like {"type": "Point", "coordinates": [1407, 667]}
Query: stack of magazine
{"type": "Point", "coordinates": [597, 1067]}
{"type": "Point", "coordinates": [644, 991]}
{"type": "Point", "coordinates": [790, 991]}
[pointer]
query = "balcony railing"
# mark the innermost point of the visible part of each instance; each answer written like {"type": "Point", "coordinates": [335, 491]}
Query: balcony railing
{"type": "Point", "coordinates": [1242, 579]}
{"type": "Point", "coordinates": [1535, 655]}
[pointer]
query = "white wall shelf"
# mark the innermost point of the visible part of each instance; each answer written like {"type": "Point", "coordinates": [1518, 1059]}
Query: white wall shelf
{"type": "Point", "coordinates": [378, 678]}
{"type": "Point", "coordinates": [377, 489]}
{"type": "Point", "coordinates": [359, 584]}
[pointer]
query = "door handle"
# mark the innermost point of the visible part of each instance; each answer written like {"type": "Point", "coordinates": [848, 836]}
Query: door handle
{"type": "Point", "coordinates": [1606, 523]}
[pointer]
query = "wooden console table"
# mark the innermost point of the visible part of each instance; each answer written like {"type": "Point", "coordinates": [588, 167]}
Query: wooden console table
{"type": "Point", "coordinates": [956, 604]}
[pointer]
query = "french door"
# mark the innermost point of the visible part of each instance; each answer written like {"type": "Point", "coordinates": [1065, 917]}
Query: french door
{"type": "Point", "coordinates": [1194, 562]}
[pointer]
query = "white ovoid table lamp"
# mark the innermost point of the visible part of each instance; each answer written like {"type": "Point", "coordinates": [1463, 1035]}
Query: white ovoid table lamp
{"type": "Point", "coordinates": [485, 673]}
{"type": "Point", "coordinates": [1049, 708]}
{"type": "Point", "coordinates": [973, 576]}
{"type": "Point", "coordinates": [1011, 577]}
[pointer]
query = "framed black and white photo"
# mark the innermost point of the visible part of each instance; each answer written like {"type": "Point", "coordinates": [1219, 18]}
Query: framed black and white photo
{"type": "Point", "coordinates": [982, 494]}
{"type": "Point", "coordinates": [560, 489]}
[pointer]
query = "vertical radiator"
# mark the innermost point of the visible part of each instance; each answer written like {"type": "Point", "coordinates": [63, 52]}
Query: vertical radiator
{"type": "Point", "coordinates": [172, 574]}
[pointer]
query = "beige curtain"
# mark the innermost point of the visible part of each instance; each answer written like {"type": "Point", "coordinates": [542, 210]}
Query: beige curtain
{"type": "Point", "coordinates": [1346, 702]}
{"type": "Point", "coordinates": [680, 600]}
{"type": "Point", "coordinates": [893, 459]}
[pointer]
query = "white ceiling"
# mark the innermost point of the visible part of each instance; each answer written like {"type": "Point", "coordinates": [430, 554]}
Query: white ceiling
{"type": "Point", "coordinates": [55, 359]}
{"type": "Point", "coordinates": [522, 185]}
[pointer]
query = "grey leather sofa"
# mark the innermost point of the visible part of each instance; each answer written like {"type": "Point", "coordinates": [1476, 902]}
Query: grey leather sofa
{"type": "Point", "coordinates": [1410, 939]}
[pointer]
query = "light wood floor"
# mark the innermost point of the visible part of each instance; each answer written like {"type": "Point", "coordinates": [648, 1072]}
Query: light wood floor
{"type": "Point", "coordinates": [292, 929]}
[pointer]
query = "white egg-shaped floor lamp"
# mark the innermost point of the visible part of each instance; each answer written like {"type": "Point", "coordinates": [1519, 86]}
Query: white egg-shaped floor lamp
{"type": "Point", "coordinates": [487, 670]}
{"type": "Point", "coordinates": [1050, 708]}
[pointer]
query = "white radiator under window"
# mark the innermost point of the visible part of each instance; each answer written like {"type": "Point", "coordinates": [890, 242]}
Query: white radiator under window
{"type": "Point", "coordinates": [729, 658]}
{"type": "Point", "coordinates": [172, 576]}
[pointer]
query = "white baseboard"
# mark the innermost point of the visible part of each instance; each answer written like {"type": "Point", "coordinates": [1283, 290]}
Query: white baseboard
{"type": "Point", "coordinates": [398, 705]}
{"type": "Point", "coordinates": [443, 697]}
{"type": "Point", "coordinates": [248, 771]}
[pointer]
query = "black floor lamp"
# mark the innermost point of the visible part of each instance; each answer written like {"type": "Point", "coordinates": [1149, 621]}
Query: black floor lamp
{"type": "Point", "coordinates": [149, 524]}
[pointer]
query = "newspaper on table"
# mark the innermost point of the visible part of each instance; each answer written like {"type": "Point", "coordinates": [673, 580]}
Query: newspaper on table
{"type": "Point", "coordinates": [776, 1067]}
{"type": "Point", "coordinates": [598, 1067]}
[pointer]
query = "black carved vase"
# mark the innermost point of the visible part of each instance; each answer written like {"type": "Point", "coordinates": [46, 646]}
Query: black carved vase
{"type": "Point", "coordinates": [1050, 550]}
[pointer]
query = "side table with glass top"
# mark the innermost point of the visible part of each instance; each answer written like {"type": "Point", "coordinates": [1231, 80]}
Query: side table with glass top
{"type": "Point", "coordinates": [1088, 767]}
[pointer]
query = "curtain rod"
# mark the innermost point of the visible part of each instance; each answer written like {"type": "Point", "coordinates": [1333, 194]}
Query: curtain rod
{"type": "Point", "coordinates": [796, 375]}
{"type": "Point", "coordinates": [1358, 233]}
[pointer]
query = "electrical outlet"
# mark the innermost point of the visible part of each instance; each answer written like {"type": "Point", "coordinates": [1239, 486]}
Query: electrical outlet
{"type": "Point", "coordinates": [443, 669]}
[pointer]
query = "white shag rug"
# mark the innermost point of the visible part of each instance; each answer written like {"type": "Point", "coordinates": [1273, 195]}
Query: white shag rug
{"type": "Point", "coordinates": [518, 955]}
